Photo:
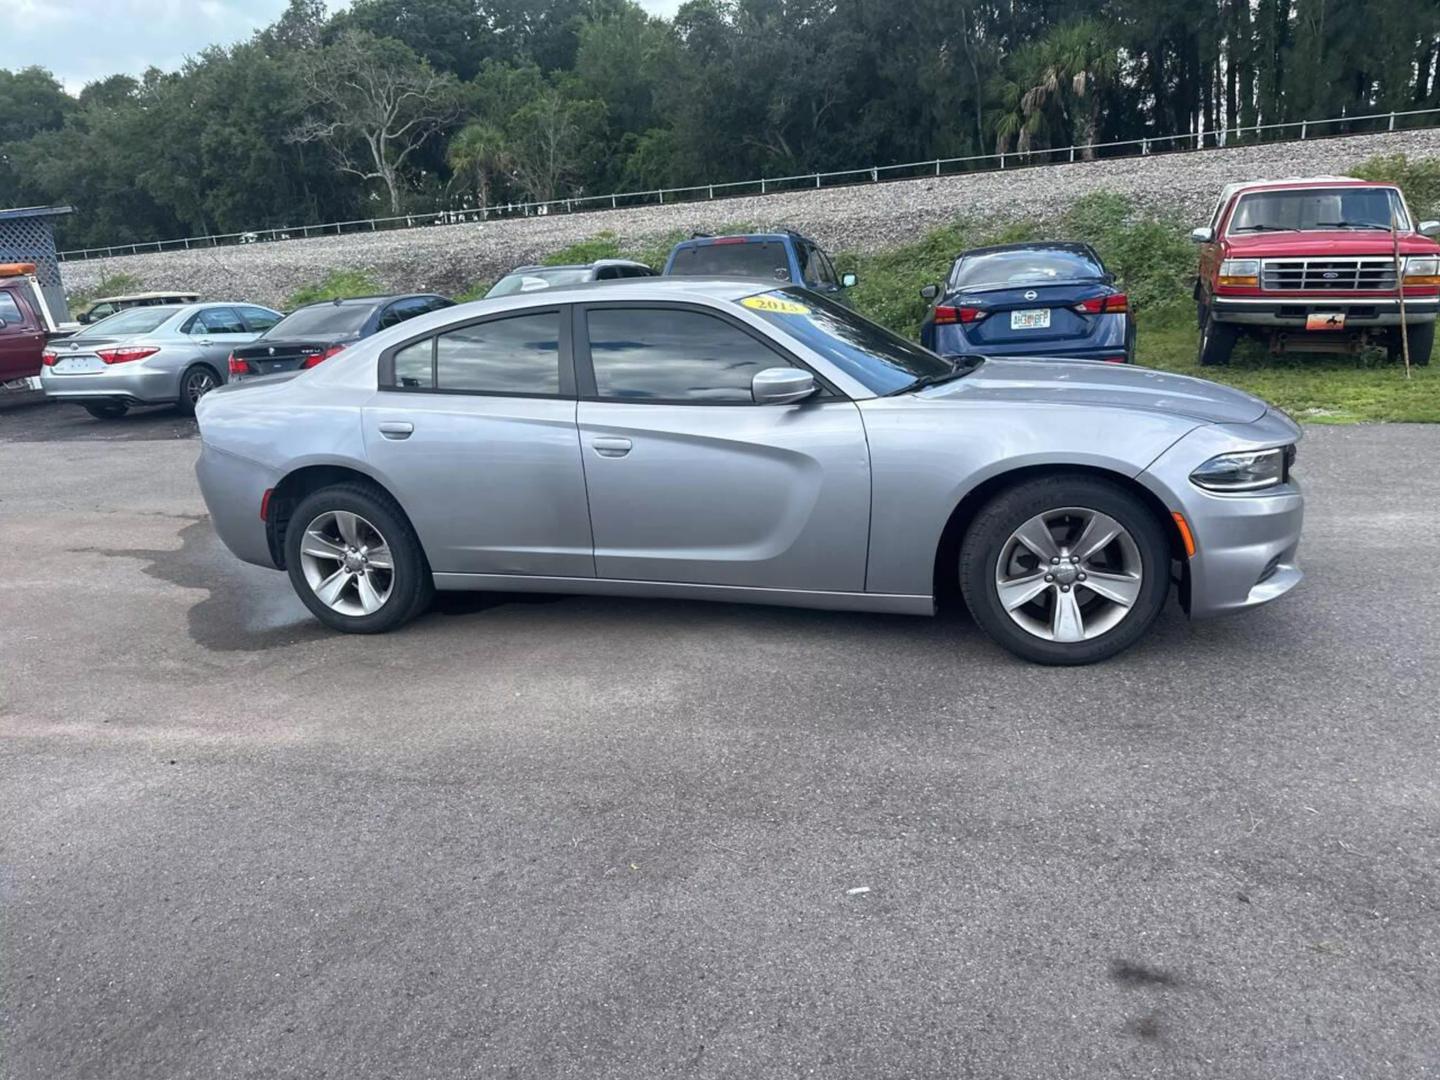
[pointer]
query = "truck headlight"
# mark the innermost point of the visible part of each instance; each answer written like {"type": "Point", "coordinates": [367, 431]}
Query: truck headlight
{"type": "Point", "coordinates": [1249, 470]}
{"type": "Point", "coordinates": [1424, 270]}
{"type": "Point", "coordinates": [1240, 272]}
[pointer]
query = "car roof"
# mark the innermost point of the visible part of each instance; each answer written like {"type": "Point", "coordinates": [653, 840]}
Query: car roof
{"type": "Point", "coordinates": [381, 298]}
{"type": "Point", "coordinates": [772, 236]}
{"type": "Point", "coordinates": [1285, 183]}
{"type": "Point", "coordinates": [1032, 245]}
{"type": "Point", "coordinates": [530, 268]}
{"type": "Point", "coordinates": [146, 296]}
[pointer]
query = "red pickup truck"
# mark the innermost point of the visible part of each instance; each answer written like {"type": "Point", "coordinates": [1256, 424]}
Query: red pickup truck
{"type": "Point", "coordinates": [1310, 266]}
{"type": "Point", "coordinates": [25, 322]}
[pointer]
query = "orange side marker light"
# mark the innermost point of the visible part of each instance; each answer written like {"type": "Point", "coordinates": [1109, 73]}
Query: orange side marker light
{"type": "Point", "coordinates": [1185, 534]}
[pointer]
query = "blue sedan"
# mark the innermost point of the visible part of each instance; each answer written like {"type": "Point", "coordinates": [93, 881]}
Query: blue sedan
{"type": "Point", "coordinates": [1041, 299]}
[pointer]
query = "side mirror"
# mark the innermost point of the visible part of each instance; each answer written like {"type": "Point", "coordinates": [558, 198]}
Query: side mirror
{"type": "Point", "coordinates": [1429, 228]}
{"type": "Point", "coordinates": [931, 292]}
{"type": "Point", "coordinates": [83, 317]}
{"type": "Point", "coordinates": [1202, 235]}
{"type": "Point", "coordinates": [848, 281]}
{"type": "Point", "coordinates": [781, 386]}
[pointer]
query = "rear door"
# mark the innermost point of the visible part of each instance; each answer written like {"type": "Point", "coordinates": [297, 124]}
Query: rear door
{"type": "Point", "coordinates": [216, 331]}
{"type": "Point", "coordinates": [473, 428]}
{"type": "Point", "coordinates": [21, 338]}
{"type": "Point", "coordinates": [690, 481]}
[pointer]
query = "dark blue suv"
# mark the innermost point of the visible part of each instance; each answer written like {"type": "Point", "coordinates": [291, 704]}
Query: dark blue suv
{"type": "Point", "coordinates": [773, 257]}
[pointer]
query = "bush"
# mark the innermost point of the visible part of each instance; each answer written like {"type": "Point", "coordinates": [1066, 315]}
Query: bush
{"type": "Point", "coordinates": [1419, 180]}
{"type": "Point", "coordinates": [337, 285]}
{"type": "Point", "coordinates": [109, 285]}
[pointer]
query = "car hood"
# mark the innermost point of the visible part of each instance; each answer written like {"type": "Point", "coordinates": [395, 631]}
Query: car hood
{"type": "Point", "coordinates": [1096, 385]}
{"type": "Point", "coordinates": [1316, 243]}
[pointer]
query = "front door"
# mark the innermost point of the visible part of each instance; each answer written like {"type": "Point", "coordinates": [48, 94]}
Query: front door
{"type": "Point", "coordinates": [690, 481]}
{"type": "Point", "coordinates": [21, 339]}
{"type": "Point", "coordinates": [474, 430]}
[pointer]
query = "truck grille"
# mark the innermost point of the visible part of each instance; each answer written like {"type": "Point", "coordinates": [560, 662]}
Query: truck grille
{"type": "Point", "coordinates": [1318, 275]}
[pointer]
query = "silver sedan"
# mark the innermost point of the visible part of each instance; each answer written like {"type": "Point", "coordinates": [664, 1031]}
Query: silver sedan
{"type": "Point", "coordinates": [714, 440]}
{"type": "Point", "coordinates": [171, 354]}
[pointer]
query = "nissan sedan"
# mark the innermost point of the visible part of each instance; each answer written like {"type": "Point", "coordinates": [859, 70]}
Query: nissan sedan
{"type": "Point", "coordinates": [720, 440]}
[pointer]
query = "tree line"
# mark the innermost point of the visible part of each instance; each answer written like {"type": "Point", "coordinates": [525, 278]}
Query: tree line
{"type": "Point", "coordinates": [395, 106]}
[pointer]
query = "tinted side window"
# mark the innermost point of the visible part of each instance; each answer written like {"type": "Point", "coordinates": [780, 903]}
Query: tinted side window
{"type": "Point", "coordinates": [9, 310]}
{"type": "Point", "coordinates": [222, 321]}
{"type": "Point", "coordinates": [399, 311]}
{"type": "Point", "coordinates": [259, 319]}
{"type": "Point", "coordinates": [660, 354]}
{"type": "Point", "coordinates": [823, 268]}
{"type": "Point", "coordinates": [519, 355]}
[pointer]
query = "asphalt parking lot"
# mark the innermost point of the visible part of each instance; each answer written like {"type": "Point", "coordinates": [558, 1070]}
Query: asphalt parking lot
{"type": "Point", "coordinates": [567, 837]}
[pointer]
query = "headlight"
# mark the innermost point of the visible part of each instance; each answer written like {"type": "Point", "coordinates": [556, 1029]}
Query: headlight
{"type": "Point", "coordinates": [1247, 471]}
{"type": "Point", "coordinates": [1240, 272]}
{"type": "Point", "coordinates": [1424, 270]}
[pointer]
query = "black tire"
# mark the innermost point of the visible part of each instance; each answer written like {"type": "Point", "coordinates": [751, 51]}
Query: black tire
{"type": "Point", "coordinates": [106, 410]}
{"type": "Point", "coordinates": [1130, 345]}
{"type": "Point", "coordinates": [1217, 341]}
{"type": "Point", "coordinates": [989, 536]}
{"type": "Point", "coordinates": [198, 380]}
{"type": "Point", "coordinates": [1422, 344]}
{"type": "Point", "coordinates": [412, 587]}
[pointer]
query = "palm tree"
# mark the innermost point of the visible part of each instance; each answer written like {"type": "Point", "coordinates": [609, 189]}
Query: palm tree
{"type": "Point", "coordinates": [1056, 85]}
{"type": "Point", "coordinates": [475, 155]}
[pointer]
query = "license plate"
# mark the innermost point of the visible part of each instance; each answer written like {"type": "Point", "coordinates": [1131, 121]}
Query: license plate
{"type": "Point", "coordinates": [76, 365]}
{"type": "Point", "coordinates": [1325, 320]}
{"type": "Point", "coordinates": [1032, 319]}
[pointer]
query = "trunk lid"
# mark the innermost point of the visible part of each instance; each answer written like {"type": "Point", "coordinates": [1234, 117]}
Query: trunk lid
{"type": "Point", "coordinates": [1032, 313]}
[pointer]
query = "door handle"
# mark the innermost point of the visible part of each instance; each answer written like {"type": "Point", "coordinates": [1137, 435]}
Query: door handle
{"type": "Point", "coordinates": [397, 429]}
{"type": "Point", "coordinates": [611, 447]}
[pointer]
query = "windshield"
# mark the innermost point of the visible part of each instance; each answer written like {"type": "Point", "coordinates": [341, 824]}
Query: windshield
{"type": "Point", "coordinates": [322, 320]}
{"type": "Point", "coordinates": [1319, 208]}
{"type": "Point", "coordinates": [533, 280]}
{"type": "Point", "coordinates": [884, 362]}
{"type": "Point", "coordinates": [1012, 269]}
{"type": "Point", "coordinates": [140, 320]}
{"type": "Point", "coordinates": [765, 259]}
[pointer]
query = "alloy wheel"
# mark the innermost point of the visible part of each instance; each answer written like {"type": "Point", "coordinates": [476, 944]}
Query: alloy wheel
{"type": "Point", "coordinates": [1069, 575]}
{"type": "Point", "coordinates": [200, 383]}
{"type": "Point", "coordinates": [347, 563]}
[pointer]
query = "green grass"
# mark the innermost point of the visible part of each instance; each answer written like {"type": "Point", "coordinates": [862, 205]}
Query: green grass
{"type": "Point", "coordinates": [337, 285]}
{"type": "Point", "coordinates": [110, 285]}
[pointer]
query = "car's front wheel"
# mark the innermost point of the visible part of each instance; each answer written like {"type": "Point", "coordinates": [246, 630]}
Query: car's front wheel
{"type": "Point", "coordinates": [1065, 569]}
{"type": "Point", "coordinates": [1217, 340]}
{"type": "Point", "coordinates": [355, 561]}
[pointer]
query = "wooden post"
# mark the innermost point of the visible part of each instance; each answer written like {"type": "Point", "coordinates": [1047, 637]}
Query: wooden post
{"type": "Point", "coordinates": [1400, 290]}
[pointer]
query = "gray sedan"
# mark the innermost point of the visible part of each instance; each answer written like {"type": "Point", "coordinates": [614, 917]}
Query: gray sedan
{"type": "Point", "coordinates": [171, 354]}
{"type": "Point", "coordinates": [720, 441]}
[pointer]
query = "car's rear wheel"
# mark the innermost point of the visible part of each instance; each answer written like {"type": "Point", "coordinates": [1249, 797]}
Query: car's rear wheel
{"type": "Point", "coordinates": [1065, 569]}
{"type": "Point", "coordinates": [106, 410]}
{"type": "Point", "coordinates": [355, 561]}
{"type": "Point", "coordinates": [1217, 340]}
{"type": "Point", "coordinates": [195, 384]}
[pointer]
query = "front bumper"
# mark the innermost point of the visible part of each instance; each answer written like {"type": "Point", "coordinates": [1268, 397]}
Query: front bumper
{"type": "Point", "coordinates": [132, 384]}
{"type": "Point", "coordinates": [1290, 312]}
{"type": "Point", "coordinates": [1245, 543]}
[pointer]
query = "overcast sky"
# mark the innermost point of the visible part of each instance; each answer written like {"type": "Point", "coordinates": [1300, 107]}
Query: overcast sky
{"type": "Point", "coordinates": [82, 40]}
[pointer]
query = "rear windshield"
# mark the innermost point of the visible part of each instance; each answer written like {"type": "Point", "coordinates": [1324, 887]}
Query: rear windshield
{"type": "Point", "coordinates": [322, 320]}
{"type": "Point", "coordinates": [535, 280]}
{"type": "Point", "coordinates": [765, 259]}
{"type": "Point", "coordinates": [1009, 269]}
{"type": "Point", "coordinates": [139, 320]}
{"type": "Point", "coordinates": [866, 351]}
{"type": "Point", "coordinates": [1319, 208]}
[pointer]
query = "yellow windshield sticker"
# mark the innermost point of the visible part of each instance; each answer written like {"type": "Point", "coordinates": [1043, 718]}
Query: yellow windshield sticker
{"type": "Point", "coordinates": [774, 305]}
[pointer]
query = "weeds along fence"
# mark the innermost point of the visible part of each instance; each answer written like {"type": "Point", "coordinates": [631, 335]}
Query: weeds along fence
{"type": "Point", "coordinates": [1290, 131]}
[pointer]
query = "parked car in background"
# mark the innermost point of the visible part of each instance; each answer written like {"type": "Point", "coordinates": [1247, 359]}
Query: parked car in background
{"type": "Point", "coordinates": [535, 278]}
{"type": "Point", "coordinates": [1309, 265]}
{"type": "Point", "coordinates": [26, 323]}
{"type": "Point", "coordinates": [733, 441]}
{"type": "Point", "coordinates": [312, 334]}
{"type": "Point", "coordinates": [1046, 299]}
{"type": "Point", "coordinates": [771, 257]}
{"type": "Point", "coordinates": [161, 355]}
{"type": "Point", "coordinates": [105, 306]}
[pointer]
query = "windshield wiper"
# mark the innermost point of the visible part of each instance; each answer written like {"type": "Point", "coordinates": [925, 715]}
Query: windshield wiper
{"type": "Point", "coordinates": [1351, 225]}
{"type": "Point", "coordinates": [959, 368]}
{"type": "Point", "coordinates": [1261, 228]}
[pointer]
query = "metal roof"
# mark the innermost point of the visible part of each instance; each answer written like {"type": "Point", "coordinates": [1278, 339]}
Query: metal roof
{"type": "Point", "coordinates": [35, 212]}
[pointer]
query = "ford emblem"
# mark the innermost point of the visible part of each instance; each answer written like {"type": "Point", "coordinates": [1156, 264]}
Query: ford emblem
{"type": "Point", "coordinates": [1031, 294]}
{"type": "Point", "coordinates": [1329, 275]}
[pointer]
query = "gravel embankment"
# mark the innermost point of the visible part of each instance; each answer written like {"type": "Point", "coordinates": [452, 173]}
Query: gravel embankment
{"type": "Point", "coordinates": [864, 218]}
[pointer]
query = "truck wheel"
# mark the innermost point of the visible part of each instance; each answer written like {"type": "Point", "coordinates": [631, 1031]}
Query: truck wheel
{"type": "Point", "coordinates": [107, 410]}
{"type": "Point", "coordinates": [1422, 344]}
{"type": "Point", "coordinates": [1217, 342]}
